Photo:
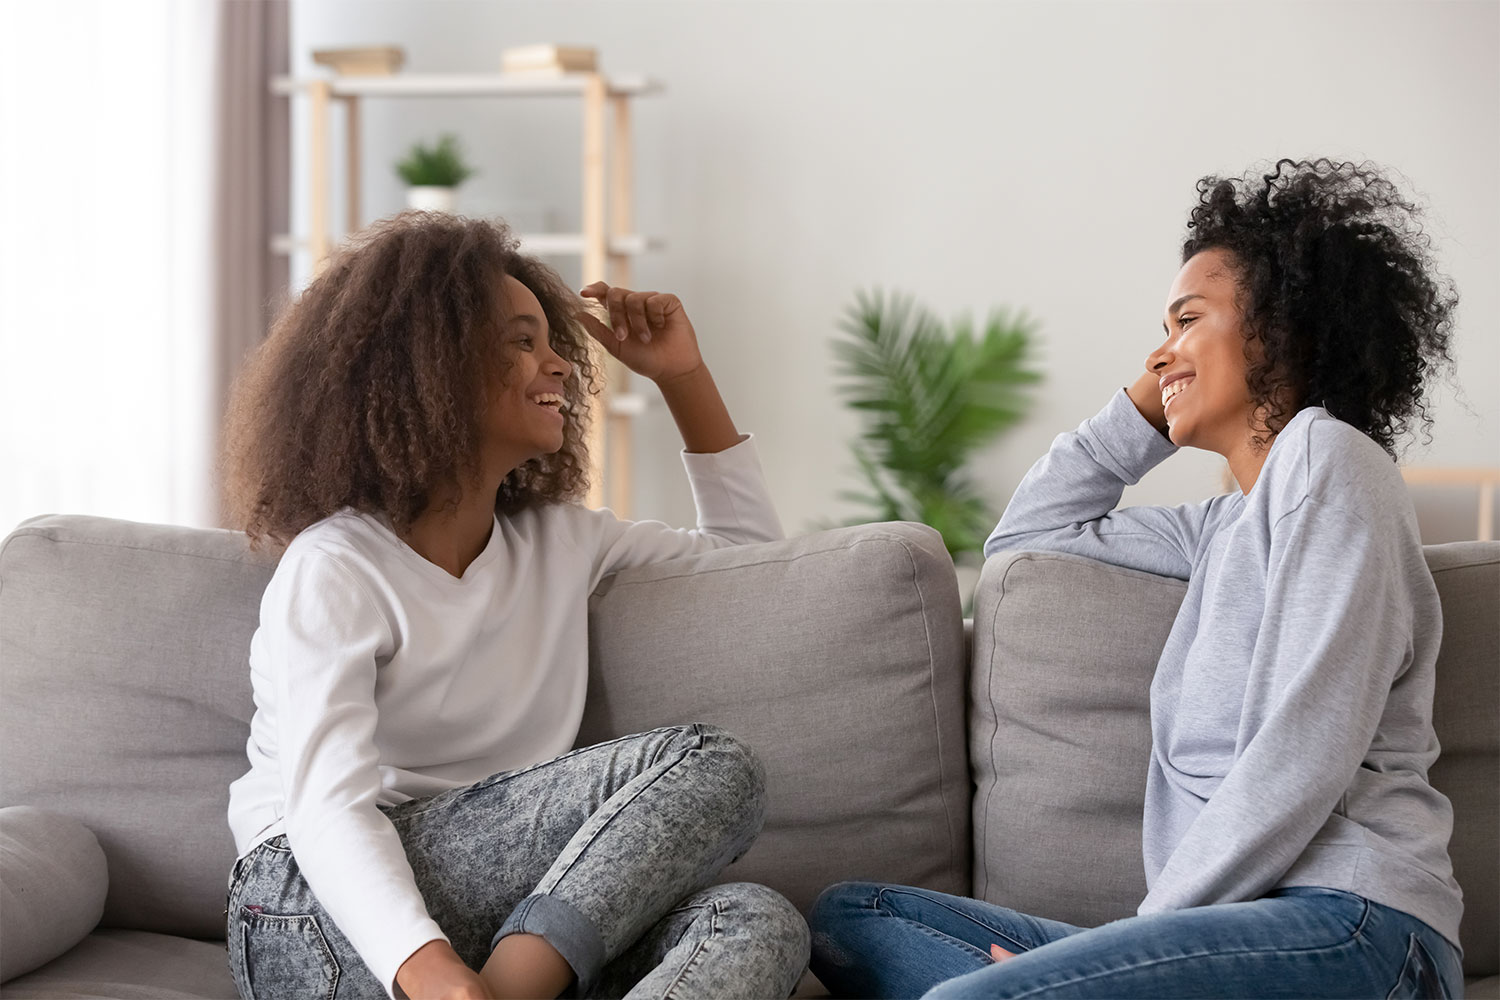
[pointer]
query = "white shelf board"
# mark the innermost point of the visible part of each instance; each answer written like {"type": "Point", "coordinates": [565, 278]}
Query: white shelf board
{"type": "Point", "coordinates": [467, 85]}
{"type": "Point", "coordinates": [543, 244]}
{"type": "Point", "coordinates": [563, 244]}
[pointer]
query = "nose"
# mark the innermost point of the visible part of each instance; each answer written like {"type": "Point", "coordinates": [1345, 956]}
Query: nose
{"type": "Point", "coordinates": [555, 364]}
{"type": "Point", "coordinates": [1160, 358]}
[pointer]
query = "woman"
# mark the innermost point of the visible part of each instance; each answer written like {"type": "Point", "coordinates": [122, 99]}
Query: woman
{"type": "Point", "coordinates": [1293, 846]}
{"type": "Point", "coordinates": [412, 819]}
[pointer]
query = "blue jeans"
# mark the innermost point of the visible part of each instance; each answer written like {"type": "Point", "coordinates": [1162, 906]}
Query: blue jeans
{"type": "Point", "coordinates": [607, 852]}
{"type": "Point", "coordinates": [872, 940]}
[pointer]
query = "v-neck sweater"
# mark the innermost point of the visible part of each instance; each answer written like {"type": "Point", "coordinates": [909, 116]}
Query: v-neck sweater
{"type": "Point", "coordinates": [379, 677]}
{"type": "Point", "coordinates": [1291, 708]}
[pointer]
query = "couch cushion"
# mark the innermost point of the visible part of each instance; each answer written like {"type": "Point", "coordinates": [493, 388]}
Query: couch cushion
{"type": "Point", "coordinates": [131, 965]}
{"type": "Point", "coordinates": [839, 657]}
{"type": "Point", "coordinates": [1466, 715]}
{"type": "Point", "coordinates": [1064, 650]}
{"type": "Point", "coordinates": [127, 701]}
{"type": "Point", "coordinates": [52, 885]}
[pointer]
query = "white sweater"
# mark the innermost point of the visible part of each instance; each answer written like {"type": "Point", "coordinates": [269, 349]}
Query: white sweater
{"type": "Point", "coordinates": [379, 678]}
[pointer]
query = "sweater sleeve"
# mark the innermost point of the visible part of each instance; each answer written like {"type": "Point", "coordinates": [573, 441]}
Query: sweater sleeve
{"type": "Point", "coordinates": [734, 508]}
{"type": "Point", "coordinates": [322, 637]}
{"type": "Point", "coordinates": [1336, 633]}
{"type": "Point", "coordinates": [1067, 501]}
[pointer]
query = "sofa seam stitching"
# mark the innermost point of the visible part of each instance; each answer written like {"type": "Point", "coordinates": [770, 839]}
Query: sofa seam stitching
{"type": "Point", "coordinates": [936, 718]}
{"type": "Point", "coordinates": [47, 536]}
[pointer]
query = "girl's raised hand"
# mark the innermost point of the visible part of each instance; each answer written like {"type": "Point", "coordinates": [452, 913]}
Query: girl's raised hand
{"type": "Point", "coordinates": [648, 331]}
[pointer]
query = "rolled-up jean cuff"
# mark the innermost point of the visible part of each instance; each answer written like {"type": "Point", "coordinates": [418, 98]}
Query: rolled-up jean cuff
{"type": "Point", "coordinates": [562, 926]}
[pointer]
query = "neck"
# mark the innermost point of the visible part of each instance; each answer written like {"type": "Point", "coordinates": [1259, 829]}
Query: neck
{"type": "Point", "coordinates": [456, 526]}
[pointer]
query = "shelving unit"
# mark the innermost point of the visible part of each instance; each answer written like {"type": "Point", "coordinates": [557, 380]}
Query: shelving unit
{"type": "Point", "coordinates": [606, 245]}
{"type": "Point", "coordinates": [1485, 480]}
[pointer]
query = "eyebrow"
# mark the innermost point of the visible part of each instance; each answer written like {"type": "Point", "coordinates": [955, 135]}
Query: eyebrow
{"type": "Point", "coordinates": [1178, 305]}
{"type": "Point", "coordinates": [526, 318]}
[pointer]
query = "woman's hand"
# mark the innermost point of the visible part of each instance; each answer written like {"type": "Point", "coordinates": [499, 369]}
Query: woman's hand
{"type": "Point", "coordinates": [435, 972]}
{"type": "Point", "coordinates": [1145, 393]}
{"type": "Point", "coordinates": [648, 331]}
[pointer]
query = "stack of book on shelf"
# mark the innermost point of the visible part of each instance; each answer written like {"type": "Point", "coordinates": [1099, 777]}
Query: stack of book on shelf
{"type": "Point", "coordinates": [549, 60]}
{"type": "Point", "coordinates": [374, 60]}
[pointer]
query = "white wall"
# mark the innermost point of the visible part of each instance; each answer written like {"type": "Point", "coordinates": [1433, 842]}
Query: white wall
{"type": "Point", "coordinates": [1038, 155]}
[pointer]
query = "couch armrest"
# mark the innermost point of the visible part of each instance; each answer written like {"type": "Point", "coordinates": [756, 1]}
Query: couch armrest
{"type": "Point", "coordinates": [53, 881]}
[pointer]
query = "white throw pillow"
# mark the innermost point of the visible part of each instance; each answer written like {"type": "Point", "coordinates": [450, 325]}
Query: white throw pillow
{"type": "Point", "coordinates": [53, 881]}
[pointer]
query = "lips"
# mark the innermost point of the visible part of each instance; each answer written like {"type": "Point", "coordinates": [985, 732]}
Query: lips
{"type": "Point", "coordinates": [554, 401]}
{"type": "Point", "coordinates": [1175, 385]}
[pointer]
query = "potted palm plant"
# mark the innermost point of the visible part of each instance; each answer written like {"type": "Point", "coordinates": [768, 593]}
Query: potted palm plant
{"type": "Point", "coordinates": [929, 396]}
{"type": "Point", "coordinates": [432, 173]}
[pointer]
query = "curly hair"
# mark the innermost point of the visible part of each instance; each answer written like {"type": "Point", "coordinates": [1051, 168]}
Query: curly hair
{"type": "Point", "coordinates": [369, 390]}
{"type": "Point", "coordinates": [1343, 308]}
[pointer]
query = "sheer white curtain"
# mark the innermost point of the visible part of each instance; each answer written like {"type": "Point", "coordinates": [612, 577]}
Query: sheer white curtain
{"type": "Point", "coordinates": [107, 389]}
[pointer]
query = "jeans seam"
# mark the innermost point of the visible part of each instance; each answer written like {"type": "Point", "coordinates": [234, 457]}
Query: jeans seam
{"type": "Point", "coordinates": [1364, 918]}
{"type": "Point", "coordinates": [713, 932]}
{"type": "Point", "coordinates": [605, 825]}
{"type": "Point", "coordinates": [982, 923]}
{"type": "Point", "coordinates": [504, 776]}
{"type": "Point", "coordinates": [1216, 953]}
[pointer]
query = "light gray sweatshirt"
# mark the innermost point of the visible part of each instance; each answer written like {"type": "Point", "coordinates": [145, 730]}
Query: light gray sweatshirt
{"type": "Point", "coordinates": [1291, 709]}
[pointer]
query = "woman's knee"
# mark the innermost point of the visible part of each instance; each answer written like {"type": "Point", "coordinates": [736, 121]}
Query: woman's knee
{"type": "Point", "coordinates": [836, 902]}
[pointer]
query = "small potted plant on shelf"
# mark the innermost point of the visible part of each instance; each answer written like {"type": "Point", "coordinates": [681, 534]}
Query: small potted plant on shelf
{"type": "Point", "coordinates": [433, 172]}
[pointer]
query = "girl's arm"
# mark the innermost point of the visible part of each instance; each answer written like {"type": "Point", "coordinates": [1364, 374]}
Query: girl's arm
{"type": "Point", "coordinates": [1067, 502]}
{"type": "Point", "coordinates": [650, 333]}
{"type": "Point", "coordinates": [316, 650]}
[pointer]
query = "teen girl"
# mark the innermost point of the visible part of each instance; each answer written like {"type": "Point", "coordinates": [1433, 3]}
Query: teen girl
{"type": "Point", "coordinates": [1293, 846]}
{"type": "Point", "coordinates": [412, 820]}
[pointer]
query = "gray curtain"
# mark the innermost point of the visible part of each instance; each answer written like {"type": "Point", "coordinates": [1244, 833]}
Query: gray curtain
{"type": "Point", "coordinates": [252, 184]}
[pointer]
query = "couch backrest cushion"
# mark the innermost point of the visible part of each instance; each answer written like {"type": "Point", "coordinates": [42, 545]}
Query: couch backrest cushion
{"type": "Point", "coordinates": [125, 701]}
{"type": "Point", "coordinates": [838, 656]}
{"type": "Point", "coordinates": [1059, 737]}
{"type": "Point", "coordinates": [1064, 650]}
{"type": "Point", "coordinates": [1466, 715]}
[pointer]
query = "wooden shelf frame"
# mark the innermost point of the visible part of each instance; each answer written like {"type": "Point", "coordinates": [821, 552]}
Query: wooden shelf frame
{"type": "Point", "coordinates": [606, 245]}
{"type": "Point", "coordinates": [1485, 479]}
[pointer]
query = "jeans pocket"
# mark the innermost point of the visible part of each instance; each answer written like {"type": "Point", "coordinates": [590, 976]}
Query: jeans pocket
{"type": "Point", "coordinates": [1419, 976]}
{"type": "Point", "coordinates": [282, 956]}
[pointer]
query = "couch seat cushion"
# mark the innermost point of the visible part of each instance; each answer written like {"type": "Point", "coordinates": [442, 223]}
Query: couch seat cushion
{"type": "Point", "coordinates": [131, 965]}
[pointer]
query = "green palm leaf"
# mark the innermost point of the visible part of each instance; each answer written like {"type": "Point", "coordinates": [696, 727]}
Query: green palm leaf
{"type": "Point", "coordinates": [928, 397]}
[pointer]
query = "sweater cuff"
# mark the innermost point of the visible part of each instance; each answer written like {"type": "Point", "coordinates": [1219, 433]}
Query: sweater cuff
{"type": "Point", "coordinates": [1132, 443]}
{"type": "Point", "coordinates": [402, 948]}
{"type": "Point", "coordinates": [729, 491]}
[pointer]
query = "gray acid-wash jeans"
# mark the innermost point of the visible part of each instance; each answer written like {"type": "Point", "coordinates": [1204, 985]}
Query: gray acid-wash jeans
{"type": "Point", "coordinates": [606, 852]}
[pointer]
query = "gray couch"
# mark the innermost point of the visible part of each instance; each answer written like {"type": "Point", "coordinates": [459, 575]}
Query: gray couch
{"type": "Point", "coordinates": [1011, 768]}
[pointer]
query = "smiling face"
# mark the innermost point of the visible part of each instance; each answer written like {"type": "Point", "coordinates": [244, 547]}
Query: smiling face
{"type": "Point", "coordinates": [525, 415]}
{"type": "Point", "coordinates": [1202, 365]}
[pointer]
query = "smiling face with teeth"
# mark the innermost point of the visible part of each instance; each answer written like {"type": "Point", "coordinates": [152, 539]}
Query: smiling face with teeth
{"type": "Point", "coordinates": [1202, 366]}
{"type": "Point", "coordinates": [526, 414]}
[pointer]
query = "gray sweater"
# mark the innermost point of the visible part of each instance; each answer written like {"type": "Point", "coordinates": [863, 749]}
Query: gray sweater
{"type": "Point", "coordinates": [1291, 709]}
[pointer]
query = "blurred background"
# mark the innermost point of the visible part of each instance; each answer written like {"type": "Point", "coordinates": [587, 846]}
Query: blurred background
{"type": "Point", "coordinates": [163, 171]}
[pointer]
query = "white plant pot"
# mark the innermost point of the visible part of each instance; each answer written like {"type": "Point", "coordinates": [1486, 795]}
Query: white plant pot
{"type": "Point", "coordinates": [430, 199]}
